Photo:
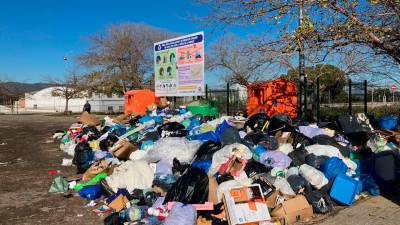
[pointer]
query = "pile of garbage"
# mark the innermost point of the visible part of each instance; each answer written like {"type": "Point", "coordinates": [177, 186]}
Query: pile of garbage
{"type": "Point", "coordinates": [172, 167]}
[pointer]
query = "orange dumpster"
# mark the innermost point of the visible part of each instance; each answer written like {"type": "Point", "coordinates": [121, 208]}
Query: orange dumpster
{"type": "Point", "coordinates": [136, 101]}
{"type": "Point", "coordinates": [272, 97]}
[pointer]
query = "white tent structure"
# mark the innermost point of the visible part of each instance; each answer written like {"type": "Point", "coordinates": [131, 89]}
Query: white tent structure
{"type": "Point", "coordinates": [44, 101]}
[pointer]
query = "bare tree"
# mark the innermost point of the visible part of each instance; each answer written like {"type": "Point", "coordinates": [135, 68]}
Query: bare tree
{"type": "Point", "coordinates": [230, 56]}
{"type": "Point", "coordinates": [122, 56]}
{"type": "Point", "coordinates": [328, 27]}
{"type": "Point", "coordinates": [69, 87]}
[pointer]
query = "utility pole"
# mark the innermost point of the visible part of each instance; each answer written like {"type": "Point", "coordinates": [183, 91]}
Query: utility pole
{"type": "Point", "coordinates": [302, 75]}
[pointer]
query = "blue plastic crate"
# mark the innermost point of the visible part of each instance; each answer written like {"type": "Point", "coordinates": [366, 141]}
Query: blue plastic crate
{"type": "Point", "coordinates": [332, 167]}
{"type": "Point", "coordinates": [388, 122]}
{"type": "Point", "coordinates": [344, 189]}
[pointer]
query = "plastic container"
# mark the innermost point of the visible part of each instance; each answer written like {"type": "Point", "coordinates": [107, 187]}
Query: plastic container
{"type": "Point", "coordinates": [388, 122]}
{"type": "Point", "coordinates": [344, 189]}
{"type": "Point", "coordinates": [332, 167]}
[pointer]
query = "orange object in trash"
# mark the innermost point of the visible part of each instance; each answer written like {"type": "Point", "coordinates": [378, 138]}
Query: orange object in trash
{"type": "Point", "coordinates": [272, 97]}
{"type": "Point", "coordinates": [136, 101]}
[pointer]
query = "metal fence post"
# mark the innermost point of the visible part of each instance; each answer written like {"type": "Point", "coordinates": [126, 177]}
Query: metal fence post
{"type": "Point", "coordinates": [305, 97]}
{"type": "Point", "coordinates": [318, 105]}
{"type": "Point", "coordinates": [227, 99]}
{"type": "Point", "coordinates": [365, 97]}
{"type": "Point", "coordinates": [206, 91]}
{"type": "Point", "coordinates": [350, 102]}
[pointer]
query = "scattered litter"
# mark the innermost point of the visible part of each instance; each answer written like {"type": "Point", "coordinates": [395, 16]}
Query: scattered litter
{"type": "Point", "coordinates": [261, 170]}
{"type": "Point", "coordinates": [66, 162]}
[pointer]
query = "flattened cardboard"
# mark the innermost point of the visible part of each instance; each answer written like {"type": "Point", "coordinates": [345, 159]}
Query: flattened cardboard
{"type": "Point", "coordinates": [294, 210]}
{"type": "Point", "coordinates": [119, 203]}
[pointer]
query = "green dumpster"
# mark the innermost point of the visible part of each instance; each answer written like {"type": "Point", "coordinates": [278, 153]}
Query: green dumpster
{"type": "Point", "coordinates": [204, 107]}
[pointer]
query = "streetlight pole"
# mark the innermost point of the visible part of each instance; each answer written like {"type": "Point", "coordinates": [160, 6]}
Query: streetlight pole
{"type": "Point", "coordinates": [302, 75]}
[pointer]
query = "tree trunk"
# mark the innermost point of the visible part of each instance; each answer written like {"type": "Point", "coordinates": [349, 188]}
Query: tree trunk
{"type": "Point", "coordinates": [66, 105]}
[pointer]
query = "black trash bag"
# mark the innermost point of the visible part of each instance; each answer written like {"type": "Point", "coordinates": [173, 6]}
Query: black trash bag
{"type": "Point", "coordinates": [172, 129]}
{"type": "Point", "coordinates": [357, 138]}
{"type": "Point", "coordinates": [253, 168]}
{"type": "Point", "coordinates": [327, 187]}
{"type": "Point", "coordinates": [300, 140]}
{"type": "Point", "coordinates": [151, 197]}
{"type": "Point", "coordinates": [256, 122]}
{"type": "Point", "coordinates": [280, 122]}
{"type": "Point", "coordinates": [298, 156]}
{"type": "Point", "coordinates": [114, 219]}
{"type": "Point", "coordinates": [83, 157]}
{"type": "Point", "coordinates": [108, 142]}
{"type": "Point", "coordinates": [298, 183]}
{"type": "Point", "coordinates": [91, 131]}
{"type": "Point", "coordinates": [137, 194]}
{"type": "Point", "coordinates": [178, 168]}
{"type": "Point", "coordinates": [190, 188]}
{"type": "Point", "coordinates": [326, 140]}
{"type": "Point", "coordinates": [355, 123]}
{"type": "Point", "coordinates": [316, 161]}
{"type": "Point", "coordinates": [269, 142]}
{"type": "Point", "coordinates": [207, 150]}
{"type": "Point", "coordinates": [230, 136]}
{"type": "Point", "coordinates": [134, 120]}
{"type": "Point", "coordinates": [150, 136]}
{"type": "Point", "coordinates": [320, 201]}
{"type": "Point", "coordinates": [224, 177]}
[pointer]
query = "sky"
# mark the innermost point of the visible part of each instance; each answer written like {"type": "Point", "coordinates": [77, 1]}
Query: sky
{"type": "Point", "coordinates": [36, 35]}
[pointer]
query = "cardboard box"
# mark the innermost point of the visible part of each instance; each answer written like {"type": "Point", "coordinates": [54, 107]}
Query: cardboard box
{"type": "Point", "coordinates": [246, 205]}
{"type": "Point", "coordinates": [89, 119]}
{"type": "Point", "coordinates": [294, 210]}
{"type": "Point", "coordinates": [271, 199]}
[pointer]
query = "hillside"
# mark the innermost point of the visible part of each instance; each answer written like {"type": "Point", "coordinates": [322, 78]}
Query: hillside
{"type": "Point", "coordinates": [18, 89]}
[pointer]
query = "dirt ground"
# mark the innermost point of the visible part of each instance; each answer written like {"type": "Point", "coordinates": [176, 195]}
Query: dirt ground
{"type": "Point", "coordinates": [26, 155]}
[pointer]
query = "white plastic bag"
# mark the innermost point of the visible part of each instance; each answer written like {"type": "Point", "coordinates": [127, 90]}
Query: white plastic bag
{"type": "Point", "coordinates": [131, 175]}
{"type": "Point", "coordinates": [173, 147]}
{"type": "Point", "coordinates": [286, 148]}
{"type": "Point", "coordinates": [326, 150]}
{"type": "Point", "coordinates": [283, 186]}
{"type": "Point", "coordinates": [315, 177]}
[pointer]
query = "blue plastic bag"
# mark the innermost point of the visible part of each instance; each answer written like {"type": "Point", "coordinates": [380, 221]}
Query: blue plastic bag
{"type": "Point", "coordinates": [194, 123]}
{"type": "Point", "coordinates": [91, 192]}
{"type": "Point", "coordinates": [202, 164]}
{"type": "Point", "coordinates": [144, 119]}
{"type": "Point", "coordinates": [220, 129]}
{"type": "Point", "coordinates": [207, 136]}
